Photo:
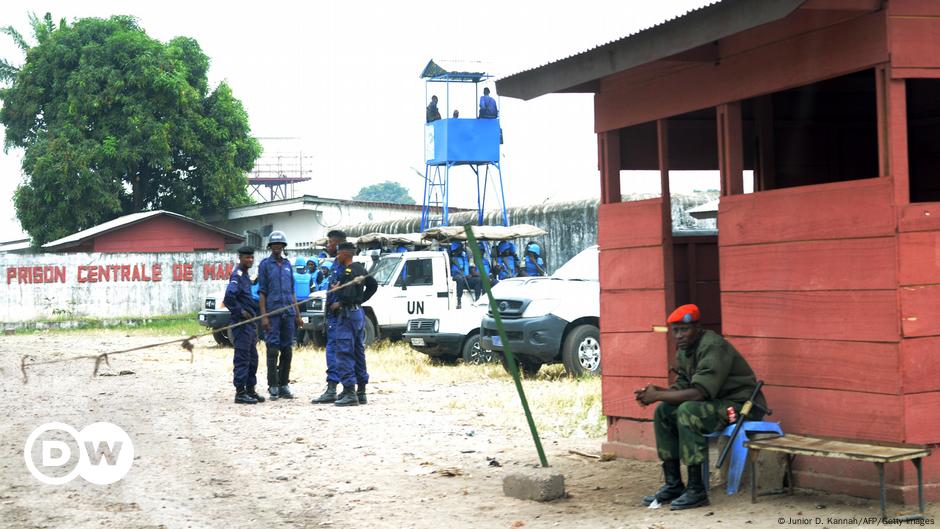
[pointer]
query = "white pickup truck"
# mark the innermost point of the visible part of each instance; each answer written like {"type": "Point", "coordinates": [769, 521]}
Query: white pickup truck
{"type": "Point", "coordinates": [411, 285]}
{"type": "Point", "coordinates": [551, 319]}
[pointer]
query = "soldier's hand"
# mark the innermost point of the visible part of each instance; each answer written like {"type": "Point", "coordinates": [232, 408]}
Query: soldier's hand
{"type": "Point", "coordinates": [646, 396]}
{"type": "Point", "coordinates": [246, 314]}
{"type": "Point", "coordinates": [265, 323]}
{"type": "Point", "coordinates": [299, 321]}
{"type": "Point", "coordinates": [335, 306]}
{"type": "Point", "coordinates": [358, 280]}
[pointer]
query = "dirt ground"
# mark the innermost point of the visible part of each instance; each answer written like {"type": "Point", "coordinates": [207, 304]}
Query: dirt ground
{"type": "Point", "coordinates": [406, 460]}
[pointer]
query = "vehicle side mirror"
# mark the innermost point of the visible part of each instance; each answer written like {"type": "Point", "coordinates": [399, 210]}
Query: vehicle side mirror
{"type": "Point", "coordinates": [404, 286]}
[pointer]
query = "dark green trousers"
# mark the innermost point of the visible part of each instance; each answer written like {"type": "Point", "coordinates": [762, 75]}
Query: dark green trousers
{"type": "Point", "coordinates": [681, 430]}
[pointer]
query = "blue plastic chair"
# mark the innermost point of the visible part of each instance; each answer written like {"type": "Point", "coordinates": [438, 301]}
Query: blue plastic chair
{"type": "Point", "coordinates": [738, 450]}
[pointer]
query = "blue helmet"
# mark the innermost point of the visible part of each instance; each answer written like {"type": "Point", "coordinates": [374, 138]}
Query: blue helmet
{"type": "Point", "coordinates": [300, 263]}
{"type": "Point", "coordinates": [534, 248]}
{"type": "Point", "coordinates": [506, 248]}
{"type": "Point", "coordinates": [455, 246]}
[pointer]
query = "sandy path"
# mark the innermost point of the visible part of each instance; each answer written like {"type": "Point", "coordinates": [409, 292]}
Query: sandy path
{"type": "Point", "coordinates": [203, 462]}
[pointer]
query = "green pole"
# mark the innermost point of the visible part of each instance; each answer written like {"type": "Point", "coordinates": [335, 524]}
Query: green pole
{"type": "Point", "coordinates": [510, 359]}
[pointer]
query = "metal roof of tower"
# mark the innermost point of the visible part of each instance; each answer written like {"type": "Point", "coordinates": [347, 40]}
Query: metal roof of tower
{"type": "Point", "coordinates": [454, 71]}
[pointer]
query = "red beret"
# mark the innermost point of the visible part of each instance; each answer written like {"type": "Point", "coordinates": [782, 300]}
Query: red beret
{"type": "Point", "coordinates": [684, 314]}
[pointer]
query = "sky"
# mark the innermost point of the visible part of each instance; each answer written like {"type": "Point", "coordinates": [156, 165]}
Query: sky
{"type": "Point", "coordinates": [341, 78]}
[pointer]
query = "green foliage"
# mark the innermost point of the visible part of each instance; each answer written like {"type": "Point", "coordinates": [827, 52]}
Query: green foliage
{"type": "Point", "coordinates": [113, 121]}
{"type": "Point", "coordinates": [387, 191]}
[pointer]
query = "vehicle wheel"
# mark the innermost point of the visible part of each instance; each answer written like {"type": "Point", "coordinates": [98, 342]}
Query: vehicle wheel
{"type": "Point", "coordinates": [222, 339]}
{"type": "Point", "coordinates": [581, 352]}
{"type": "Point", "coordinates": [528, 368]}
{"type": "Point", "coordinates": [474, 354]}
{"type": "Point", "coordinates": [371, 334]}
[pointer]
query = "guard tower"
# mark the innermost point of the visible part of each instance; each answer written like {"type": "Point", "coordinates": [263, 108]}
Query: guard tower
{"type": "Point", "coordinates": [451, 142]}
{"type": "Point", "coordinates": [273, 177]}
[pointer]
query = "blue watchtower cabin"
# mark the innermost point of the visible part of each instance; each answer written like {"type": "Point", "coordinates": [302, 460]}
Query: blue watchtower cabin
{"type": "Point", "coordinates": [452, 142]}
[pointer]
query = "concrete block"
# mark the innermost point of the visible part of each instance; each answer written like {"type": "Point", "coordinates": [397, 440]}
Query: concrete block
{"type": "Point", "coordinates": [536, 484]}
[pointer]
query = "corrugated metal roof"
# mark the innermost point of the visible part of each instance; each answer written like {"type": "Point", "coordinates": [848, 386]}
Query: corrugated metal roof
{"type": "Point", "coordinates": [454, 70]}
{"type": "Point", "coordinates": [694, 28]}
{"type": "Point", "coordinates": [127, 220]}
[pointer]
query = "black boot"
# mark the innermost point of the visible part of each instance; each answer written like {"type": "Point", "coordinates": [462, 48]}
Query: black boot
{"type": "Point", "coordinates": [695, 494]}
{"type": "Point", "coordinates": [273, 384]}
{"type": "Point", "coordinates": [673, 487]}
{"type": "Point", "coordinates": [242, 396]}
{"type": "Point", "coordinates": [361, 394]}
{"type": "Point", "coordinates": [328, 396]}
{"type": "Point", "coordinates": [254, 394]}
{"type": "Point", "coordinates": [347, 397]}
{"type": "Point", "coordinates": [284, 392]}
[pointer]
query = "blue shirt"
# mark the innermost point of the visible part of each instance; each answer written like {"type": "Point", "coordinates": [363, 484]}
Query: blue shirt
{"type": "Point", "coordinates": [276, 282]}
{"type": "Point", "coordinates": [488, 107]}
{"type": "Point", "coordinates": [530, 266]}
{"type": "Point", "coordinates": [335, 271]}
{"type": "Point", "coordinates": [302, 284]}
{"type": "Point", "coordinates": [238, 296]}
{"type": "Point", "coordinates": [507, 266]}
{"type": "Point", "coordinates": [459, 265]}
{"type": "Point", "coordinates": [485, 257]}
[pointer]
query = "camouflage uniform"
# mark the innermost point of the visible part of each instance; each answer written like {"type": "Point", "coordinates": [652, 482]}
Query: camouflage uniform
{"type": "Point", "coordinates": [715, 367]}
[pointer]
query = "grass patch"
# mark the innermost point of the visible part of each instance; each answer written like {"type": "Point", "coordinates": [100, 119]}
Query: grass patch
{"type": "Point", "coordinates": [177, 324]}
{"type": "Point", "coordinates": [561, 405]}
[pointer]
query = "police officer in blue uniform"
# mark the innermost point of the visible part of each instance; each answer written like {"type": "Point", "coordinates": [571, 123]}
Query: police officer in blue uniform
{"type": "Point", "coordinates": [534, 265]}
{"type": "Point", "coordinates": [460, 270]}
{"type": "Point", "coordinates": [276, 290]}
{"type": "Point", "coordinates": [347, 327]}
{"type": "Point", "coordinates": [334, 239]}
{"type": "Point", "coordinates": [240, 303]}
{"type": "Point", "coordinates": [506, 262]}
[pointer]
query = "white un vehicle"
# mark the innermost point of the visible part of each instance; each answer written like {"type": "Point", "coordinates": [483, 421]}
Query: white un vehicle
{"type": "Point", "coordinates": [411, 285]}
{"type": "Point", "coordinates": [551, 319]}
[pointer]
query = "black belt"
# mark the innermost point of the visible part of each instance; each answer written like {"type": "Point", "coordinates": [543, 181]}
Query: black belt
{"type": "Point", "coordinates": [352, 307]}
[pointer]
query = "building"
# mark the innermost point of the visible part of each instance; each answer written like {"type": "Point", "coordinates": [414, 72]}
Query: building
{"type": "Point", "coordinates": [147, 231]}
{"type": "Point", "coordinates": [308, 218]}
{"type": "Point", "coordinates": [15, 246]}
{"type": "Point", "coordinates": [826, 277]}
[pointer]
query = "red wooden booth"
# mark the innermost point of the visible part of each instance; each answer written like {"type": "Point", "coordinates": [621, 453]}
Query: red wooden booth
{"type": "Point", "coordinates": [829, 271]}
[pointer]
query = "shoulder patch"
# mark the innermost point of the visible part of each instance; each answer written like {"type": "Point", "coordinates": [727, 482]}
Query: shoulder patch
{"type": "Point", "coordinates": [239, 271]}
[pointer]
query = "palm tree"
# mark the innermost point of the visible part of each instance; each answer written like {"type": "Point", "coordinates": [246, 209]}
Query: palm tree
{"type": "Point", "coordinates": [42, 28]}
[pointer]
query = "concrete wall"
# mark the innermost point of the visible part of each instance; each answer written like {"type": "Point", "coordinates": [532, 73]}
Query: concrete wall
{"type": "Point", "coordinates": [106, 285]}
{"type": "Point", "coordinates": [571, 226]}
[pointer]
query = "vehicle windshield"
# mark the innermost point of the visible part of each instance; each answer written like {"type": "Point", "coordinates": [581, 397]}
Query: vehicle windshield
{"type": "Point", "coordinates": [383, 270]}
{"type": "Point", "coordinates": [582, 266]}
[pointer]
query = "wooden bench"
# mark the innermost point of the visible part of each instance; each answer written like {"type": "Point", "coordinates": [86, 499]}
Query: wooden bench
{"type": "Point", "coordinates": [876, 452]}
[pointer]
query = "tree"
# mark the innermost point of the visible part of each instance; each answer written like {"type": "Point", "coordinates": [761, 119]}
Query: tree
{"type": "Point", "coordinates": [113, 121]}
{"type": "Point", "coordinates": [387, 191]}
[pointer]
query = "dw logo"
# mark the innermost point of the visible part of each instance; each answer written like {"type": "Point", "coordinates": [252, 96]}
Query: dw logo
{"type": "Point", "coordinates": [103, 453]}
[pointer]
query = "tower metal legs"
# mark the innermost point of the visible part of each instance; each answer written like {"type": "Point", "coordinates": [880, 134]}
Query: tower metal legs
{"type": "Point", "coordinates": [437, 193]}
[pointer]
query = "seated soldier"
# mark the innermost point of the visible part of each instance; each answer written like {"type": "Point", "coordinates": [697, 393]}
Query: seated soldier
{"type": "Point", "coordinates": [712, 376]}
